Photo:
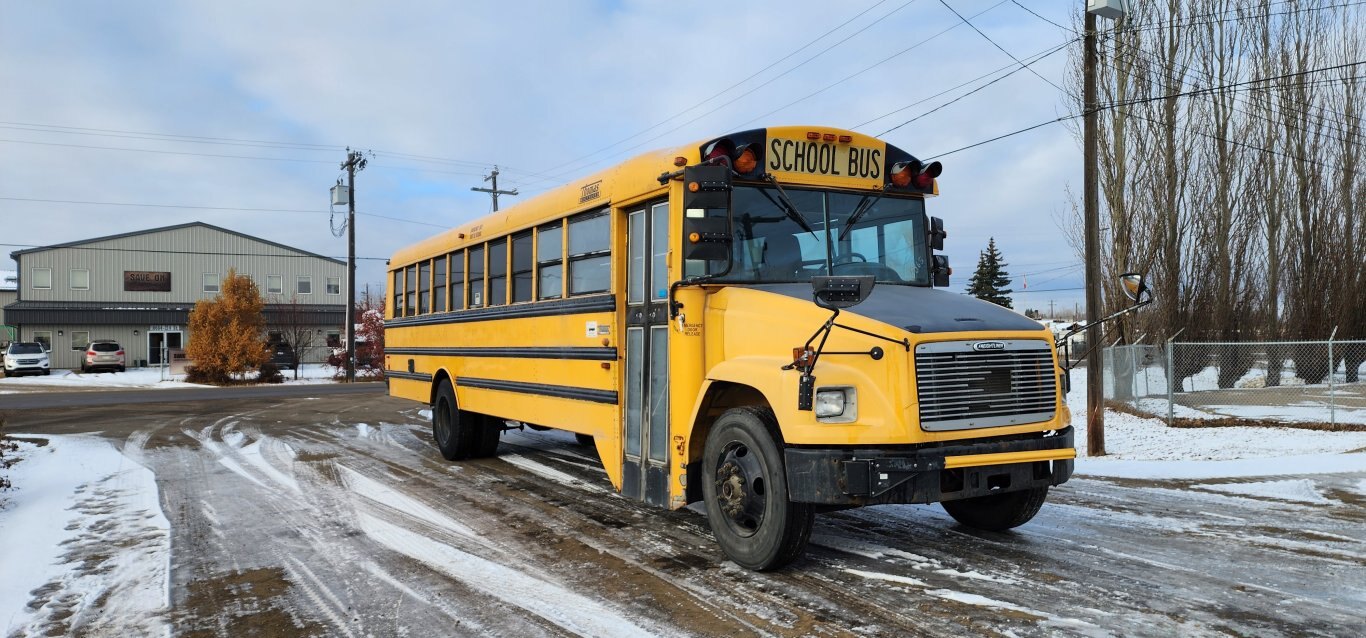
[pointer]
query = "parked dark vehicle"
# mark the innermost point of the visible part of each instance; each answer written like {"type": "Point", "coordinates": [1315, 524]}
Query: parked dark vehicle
{"type": "Point", "coordinates": [104, 354]}
{"type": "Point", "coordinates": [282, 355]}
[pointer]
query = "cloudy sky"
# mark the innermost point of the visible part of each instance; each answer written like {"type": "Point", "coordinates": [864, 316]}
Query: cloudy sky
{"type": "Point", "coordinates": [117, 117]}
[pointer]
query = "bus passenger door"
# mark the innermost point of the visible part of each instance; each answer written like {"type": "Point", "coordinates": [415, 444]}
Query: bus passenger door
{"type": "Point", "coordinates": [645, 472]}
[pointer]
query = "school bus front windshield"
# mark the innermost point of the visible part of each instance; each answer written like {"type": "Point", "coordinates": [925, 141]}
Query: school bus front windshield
{"type": "Point", "coordinates": [776, 245]}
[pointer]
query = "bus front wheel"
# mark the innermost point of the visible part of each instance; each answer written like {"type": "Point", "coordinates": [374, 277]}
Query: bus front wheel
{"type": "Point", "coordinates": [998, 512]}
{"type": "Point", "coordinates": [455, 430]}
{"type": "Point", "coordinates": [745, 491]}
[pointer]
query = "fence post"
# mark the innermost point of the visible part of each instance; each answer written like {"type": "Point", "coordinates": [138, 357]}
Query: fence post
{"type": "Point", "coordinates": [1171, 375]}
{"type": "Point", "coordinates": [1332, 370]}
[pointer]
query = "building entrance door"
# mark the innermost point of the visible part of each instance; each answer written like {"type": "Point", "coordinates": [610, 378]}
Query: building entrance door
{"type": "Point", "coordinates": [158, 342]}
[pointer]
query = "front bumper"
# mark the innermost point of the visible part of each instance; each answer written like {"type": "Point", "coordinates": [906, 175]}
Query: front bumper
{"type": "Point", "coordinates": [927, 474]}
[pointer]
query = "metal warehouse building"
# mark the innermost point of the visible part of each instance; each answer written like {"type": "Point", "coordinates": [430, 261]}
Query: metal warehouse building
{"type": "Point", "coordinates": [138, 288]}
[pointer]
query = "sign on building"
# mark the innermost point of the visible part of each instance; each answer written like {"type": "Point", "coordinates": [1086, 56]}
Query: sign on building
{"type": "Point", "coordinates": [143, 281]}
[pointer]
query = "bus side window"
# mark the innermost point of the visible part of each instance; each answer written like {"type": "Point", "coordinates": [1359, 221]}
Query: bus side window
{"type": "Point", "coordinates": [457, 280]}
{"type": "Point", "coordinates": [439, 284]}
{"type": "Point", "coordinates": [498, 272]}
{"type": "Point", "coordinates": [590, 253]}
{"type": "Point", "coordinates": [424, 287]}
{"type": "Point", "coordinates": [550, 261]}
{"type": "Point", "coordinates": [476, 270]}
{"type": "Point", "coordinates": [521, 267]}
{"type": "Point", "coordinates": [397, 287]}
{"type": "Point", "coordinates": [410, 301]}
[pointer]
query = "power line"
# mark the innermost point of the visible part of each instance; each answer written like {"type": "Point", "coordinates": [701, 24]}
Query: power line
{"type": "Point", "coordinates": [766, 83]}
{"type": "Point", "coordinates": [223, 208]}
{"type": "Point", "coordinates": [666, 120]}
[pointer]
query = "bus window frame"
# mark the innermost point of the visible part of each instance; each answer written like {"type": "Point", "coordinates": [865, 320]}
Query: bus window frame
{"type": "Point", "coordinates": [491, 246]}
{"type": "Point", "coordinates": [455, 294]}
{"type": "Point", "coordinates": [542, 263]}
{"type": "Point", "coordinates": [440, 275]}
{"type": "Point", "coordinates": [424, 286]}
{"type": "Point", "coordinates": [470, 290]}
{"type": "Point", "coordinates": [529, 237]}
{"type": "Point", "coordinates": [410, 292]}
{"type": "Point", "coordinates": [575, 258]}
{"type": "Point", "coordinates": [397, 285]}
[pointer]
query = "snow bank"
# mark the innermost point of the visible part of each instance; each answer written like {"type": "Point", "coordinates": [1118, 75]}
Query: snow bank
{"type": "Point", "coordinates": [146, 378]}
{"type": "Point", "coordinates": [74, 500]}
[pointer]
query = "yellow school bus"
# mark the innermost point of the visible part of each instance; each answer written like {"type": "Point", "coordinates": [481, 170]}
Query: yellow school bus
{"type": "Point", "coordinates": [751, 321]}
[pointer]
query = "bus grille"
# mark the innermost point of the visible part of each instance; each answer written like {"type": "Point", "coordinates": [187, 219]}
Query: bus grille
{"type": "Point", "coordinates": [961, 387]}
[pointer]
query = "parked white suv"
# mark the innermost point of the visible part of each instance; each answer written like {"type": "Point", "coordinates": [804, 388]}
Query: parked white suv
{"type": "Point", "coordinates": [26, 357]}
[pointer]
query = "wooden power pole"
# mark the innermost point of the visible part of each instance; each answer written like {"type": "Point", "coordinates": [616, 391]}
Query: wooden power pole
{"type": "Point", "coordinates": [494, 191]}
{"type": "Point", "coordinates": [354, 162]}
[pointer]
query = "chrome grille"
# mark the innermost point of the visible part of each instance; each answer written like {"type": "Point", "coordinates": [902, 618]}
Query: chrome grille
{"type": "Point", "coordinates": [960, 387]}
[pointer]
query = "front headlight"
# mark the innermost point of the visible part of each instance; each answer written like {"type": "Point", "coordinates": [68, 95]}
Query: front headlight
{"type": "Point", "coordinates": [836, 405]}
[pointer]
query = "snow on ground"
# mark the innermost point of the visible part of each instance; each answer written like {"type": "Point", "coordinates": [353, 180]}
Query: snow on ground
{"type": "Point", "coordinates": [144, 378]}
{"type": "Point", "coordinates": [1299, 490]}
{"type": "Point", "coordinates": [76, 498]}
{"type": "Point", "coordinates": [1139, 447]}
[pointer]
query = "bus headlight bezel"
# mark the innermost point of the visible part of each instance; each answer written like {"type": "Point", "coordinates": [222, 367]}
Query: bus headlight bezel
{"type": "Point", "coordinates": [836, 404]}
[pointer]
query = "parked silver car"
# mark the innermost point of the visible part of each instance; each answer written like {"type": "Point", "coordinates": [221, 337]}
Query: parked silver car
{"type": "Point", "coordinates": [26, 357]}
{"type": "Point", "coordinates": [104, 354]}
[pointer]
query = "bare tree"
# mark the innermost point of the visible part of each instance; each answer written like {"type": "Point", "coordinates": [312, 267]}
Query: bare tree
{"type": "Point", "coordinates": [296, 326]}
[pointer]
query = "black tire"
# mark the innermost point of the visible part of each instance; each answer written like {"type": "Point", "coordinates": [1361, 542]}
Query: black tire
{"type": "Point", "coordinates": [123, 369]}
{"type": "Point", "coordinates": [745, 490]}
{"type": "Point", "coordinates": [452, 428]}
{"type": "Point", "coordinates": [486, 433]}
{"type": "Point", "coordinates": [585, 440]}
{"type": "Point", "coordinates": [47, 372]}
{"type": "Point", "coordinates": [998, 512]}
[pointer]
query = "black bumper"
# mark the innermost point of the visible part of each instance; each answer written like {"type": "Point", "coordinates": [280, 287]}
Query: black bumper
{"type": "Point", "coordinates": [842, 476]}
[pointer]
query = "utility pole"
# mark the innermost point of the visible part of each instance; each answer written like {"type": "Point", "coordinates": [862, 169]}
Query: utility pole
{"type": "Point", "coordinates": [354, 162]}
{"type": "Point", "coordinates": [1095, 379]}
{"type": "Point", "coordinates": [1050, 309]}
{"type": "Point", "coordinates": [494, 191]}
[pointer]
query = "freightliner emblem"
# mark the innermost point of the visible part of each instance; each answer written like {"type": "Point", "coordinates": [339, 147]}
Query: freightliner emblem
{"type": "Point", "coordinates": [988, 345]}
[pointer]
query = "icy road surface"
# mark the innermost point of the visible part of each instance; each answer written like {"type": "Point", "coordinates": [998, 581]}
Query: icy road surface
{"type": "Point", "coordinates": [338, 517]}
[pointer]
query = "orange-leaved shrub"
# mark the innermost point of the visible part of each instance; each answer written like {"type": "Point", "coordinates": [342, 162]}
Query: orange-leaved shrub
{"type": "Point", "coordinates": [226, 332]}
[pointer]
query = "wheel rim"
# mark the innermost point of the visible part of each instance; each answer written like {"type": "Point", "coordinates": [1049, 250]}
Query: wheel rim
{"type": "Point", "coordinates": [443, 417]}
{"type": "Point", "coordinates": [741, 488]}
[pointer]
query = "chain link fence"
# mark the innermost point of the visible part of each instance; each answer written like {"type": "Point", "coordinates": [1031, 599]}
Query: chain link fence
{"type": "Point", "coordinates": [1316, 382]}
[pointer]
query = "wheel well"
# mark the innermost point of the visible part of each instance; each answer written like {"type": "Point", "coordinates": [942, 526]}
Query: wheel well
{"type": "Point", "coordinates": [721, 396]}
{"type": "Point", "coordinates": [436, 383]}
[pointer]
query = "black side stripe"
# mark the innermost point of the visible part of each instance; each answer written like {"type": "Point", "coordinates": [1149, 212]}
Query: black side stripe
{"type": "Point", "coordinates": [571, 306]}
{"type": "Point", "coordinates": [559, 391]}
{"type": "Point", "coordinates": [552, 352]}
{"type": "Point", "coordinates": [413, 376]}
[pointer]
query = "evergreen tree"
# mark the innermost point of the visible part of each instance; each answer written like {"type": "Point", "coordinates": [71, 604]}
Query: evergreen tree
{"type": "Point", "coordinates": [990, 280]}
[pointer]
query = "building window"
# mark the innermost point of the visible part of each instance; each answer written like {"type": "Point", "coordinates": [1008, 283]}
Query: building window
{"type": "Point", "coordinates": [44, 337]}
{"type": "Point", "coordinates": [275, 284]}
{"type": "Point", "coordinates": [334, 339]}
{"type": "Point", "coordinates": [334, 285]}
{"type": "Point", "coordinates": [498, 272]}
{"type": "Point", "coordinates": [80, 279]}
{"type": "Point", "coordinates": [211, 282]}
{"type": "Point", "coordinates": [80, 339]}
{"type": "Point", "coordinates": [550, 258]}
{"type": "Point", "coordinates": [590, 253]}
{"type": "Point", "coordinates": [457, 280]}
{"type": "Point", "coordinates": [424, 287]}
{"type": "Point", "coordinates": [42, 278]}
{"type": "Point", "coordinates": [476, 268]}
{"type": "Point", "coordinates": [305, 286]}
{"type": "Point", "coordinates": [439, 284]}
{"type": "Point", "coordinates": [522, 260]}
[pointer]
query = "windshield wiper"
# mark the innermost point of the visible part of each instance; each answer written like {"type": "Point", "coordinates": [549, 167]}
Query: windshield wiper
{"type": "Point", "coordinates": [788, 207]}
{"type": "Point", "coordinates": [864, 205]}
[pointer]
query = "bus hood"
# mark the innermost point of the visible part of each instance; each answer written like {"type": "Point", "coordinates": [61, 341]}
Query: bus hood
{"type": "Point", "coordinates": [923, 310]}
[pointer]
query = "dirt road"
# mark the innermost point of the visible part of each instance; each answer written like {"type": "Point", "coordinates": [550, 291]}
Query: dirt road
{"type": "Point", "coordinates": [337, 517]}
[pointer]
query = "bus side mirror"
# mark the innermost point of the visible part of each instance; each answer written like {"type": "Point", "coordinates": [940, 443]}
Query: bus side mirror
{"type": "Point", "coordinates": [1135, 286]}
{"type": "Point", "coordinates": [706, 213]}
{"type": "Point", "coordinates": [937, 233]}
{"type": "Point", "coordinates": [834, 293]}
{"type": "Point", "coordinates": [941, 271]}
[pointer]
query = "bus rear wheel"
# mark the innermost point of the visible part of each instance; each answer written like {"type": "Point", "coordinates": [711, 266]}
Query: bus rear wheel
{"type": "Point", "coordinates": [998, 512]}
{"type": "Point", "coordinates": [455, 431]}
{"type": "Point", "coordinates": [745, 491]}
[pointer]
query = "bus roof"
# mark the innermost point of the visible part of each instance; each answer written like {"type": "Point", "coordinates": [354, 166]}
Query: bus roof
{"type": "Point", "coordinates": [632, 178]}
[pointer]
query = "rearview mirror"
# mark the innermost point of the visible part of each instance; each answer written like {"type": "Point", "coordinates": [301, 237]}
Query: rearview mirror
{"type": "Point", "coordinates": [835, 293]}
{"type": "Point", "coordinates": [937, 233]}
{"type": "Point", "coordinates": [1135, 286]}
{"type": "Point", "coordinates": [941, 271]}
